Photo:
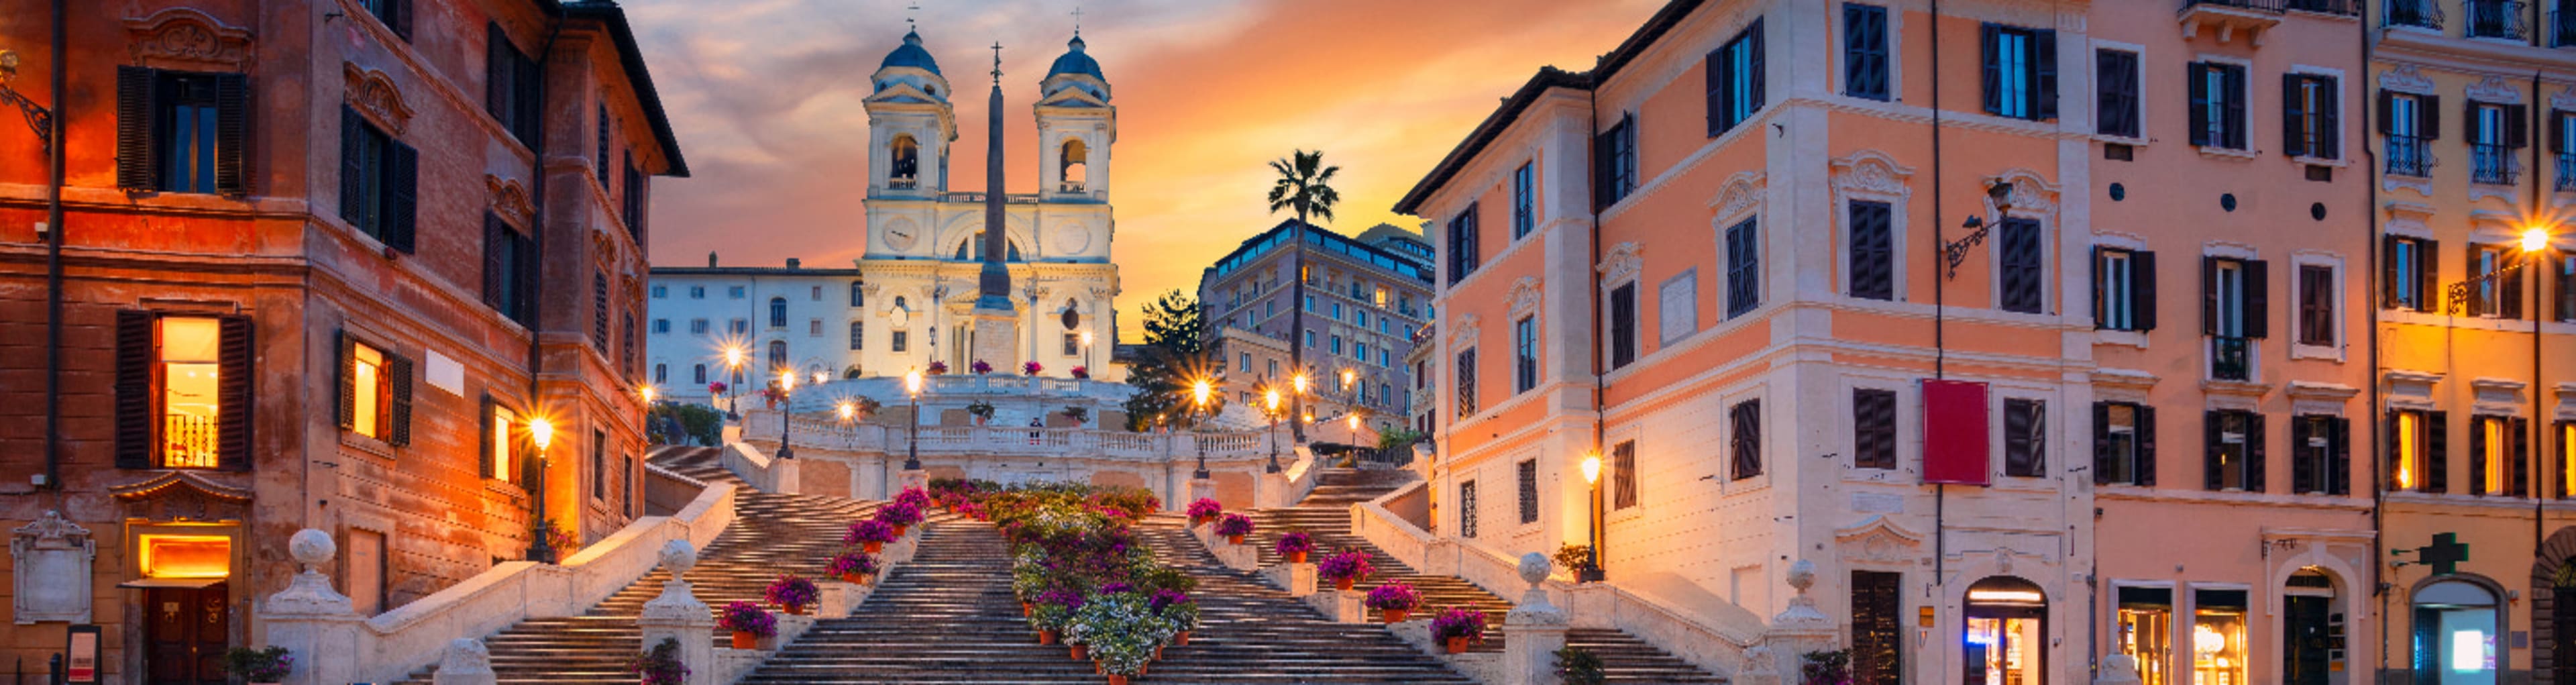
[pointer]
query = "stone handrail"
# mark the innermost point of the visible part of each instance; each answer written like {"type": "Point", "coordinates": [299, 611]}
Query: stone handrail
{"type": "Point", "coordinates": [397, 643]}
{"type": "Point", "coordinates": [752, 466]}
{"type": "Point", "coordinates": [811, 432]}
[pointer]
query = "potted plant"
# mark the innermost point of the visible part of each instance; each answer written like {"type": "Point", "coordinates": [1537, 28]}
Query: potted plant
{"type": "Point", "coordinates": [1204, 510]}
{"type": "Point", "coordinates": [982, 410]}
{"type": "Point", "coordinates": [901, 515]}
{"type": "Point", "coordinates": [1454, 627]}
{"type": "Point", "coordinates": [980, 368]}
{"type": "Point", "coordinates": [1393, 601]}
{"type": "Point", "coordinates": [661, 664]}
{"type": "Point", "coordinates": [717, 388]}
{"type": "Point", "coordinates": [853, 566]}
{"type": "Point", "coordinates": [1051, 612]}
{"type": "Point", "coordinates": [1031, 368]}
{"type": "Point", "coordinates": [1295, 545]}
{"type": "Point", "coordinates": [866, 407]}
{"type": "Point", "coordinates": [1177, 610]}
{"type": "Point", "coordinates": [937, 368]}
{"type": "Point", "coordinates": [1573, 556]}
{"type": "Point", "coordinates": [1078, 414]}
{"type": "Point", "coordinates": [1579, 666]}
{"type": "Point", "coordinates": [1082, 372]}
{"type": "Point", "coordinates": [1345, 568]}
{"type": "Point", "coordinates": [748, 622]}
{"type": "Point", "coordinates": [793, 593]}
{"type": "Point", "coordinates": [259, 666]}
{"type": "Point", "coordinates": [913, 496]}
{"type": "Point", "coordinates": [1234, 527]}
{"type": "Point", "coordinates": [1829, 667]}
{"type": "Point", "coordinates": [871, 534]}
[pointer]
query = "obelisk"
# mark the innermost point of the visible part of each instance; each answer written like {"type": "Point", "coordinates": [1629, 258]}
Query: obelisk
{"type": "Point", "coordinates": [996, 317]}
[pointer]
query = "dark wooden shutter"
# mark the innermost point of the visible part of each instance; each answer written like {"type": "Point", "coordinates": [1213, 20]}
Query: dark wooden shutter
{"type": "Point", "coordinates": [2386, 110]}
{"type": "Point", "coordinates": [1990, 74]}
{"type": "Point", "coordinates": [2517, 126]}
{"type": "Point", "coordinates": [2428, 117]}
{"type": "Point", "coordinates": [1603, 195]}
{"type": "Point", "coordinates": [138, 150]}
{"type": "Point", "coordinates": [524, 262]}
{"type": "Point", "coordinates": [348, 354]}
{"type": "Point", "coordinates": [2472, 127]}
{"type": "Point", "coordinates": [2211, 443]}
{"type": "Point", "coordinates": [2558, 131]}
{"type": "Point", "coordinates": [2396, 448]}
{"type": "Point", "coordinates": [1872, 253]}
{"type": "Point", "coordinates": [1874, 428]}
{"type": "Point", "coordinates": [2256, 468]}
{"type": "Point", "coordinates": [2303, 461]}
{"type": "Point", "coordinates": [2103, 459]}
{"type": "Point", "coordinates": [2294, 127]}
{"type": "Point", "coordinates": [2258, 299]}
{"type": "Point", "coordinates": [2329, 116]}
{"type": "Point", "coordinates": [236, 360]}
{"type": "Point", "coordinates": [1526, 477]}
{"type": "Point", "coordinates": [232, 134]}
{"type": "Point", "coordinates": [2043, 78]}
{"type": "Point", "coordinates": [398, 390]}
{"type": "Point", "coordinates": [483, 439]}
{"type": "Point", "coordinates": [2232, 78]}
{"type": "Point", "coordinates": [529, 101]}
{"type": "Point", "coordinates": [2101, 309]}
{"type": "Point", "coordinates": [353, 166]}
{"type": "Point", "coordinates": [2478, 455]}
{"type": "Point", "coordinates": [2208, 295]}
{"type": "Point", "coordinates": [2117, 73]}
{"type": "Point", "coordinates": [1715, 65]}
{"type": "Point", "coordinates": [1753, 67]}
{"type": "Point", "coordinates": [2146, 445]}
{"type": "Point", "coordinates": [2197, 79]}
{"type": "Point", "coordinates": [497, 73]}
{"type": "Point", "coordinates": [2142, 290]}
{"type": "Point", "coordinates": [2339, 457]}
{"type": "Point", "coordinates": [2520, 453]}
{"type": "Point", "coordinates": [134, 415]}
{"type": "Point", "coordinates": [1623, 325]}
{"type": "Point", "coordinates": [2437, 452]}
{"type": "Point", "coordinates": [402, 192]}
{"type": "Point", "coordinates": [2428, 274]}
{"type": "Point", "coordinates": [398, 17]}
{"type": "Point", "coordinates": [2509, 286]}
{"type": "Point", "coordinates": [495, 245]}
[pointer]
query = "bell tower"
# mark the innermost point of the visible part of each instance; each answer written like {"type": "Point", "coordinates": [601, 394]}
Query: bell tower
{"type": "Point", "coordinates": [1076, 126]}
{"type": "Point", "coordinates": [911, 126]}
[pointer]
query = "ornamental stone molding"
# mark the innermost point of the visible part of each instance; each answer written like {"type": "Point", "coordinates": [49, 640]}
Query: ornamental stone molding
{"type": "Point", "coordinates": [1740, 195]}
{"type": "Point", "coordinates": [182, 496]}
{"type": "Point", "coordinates": [2032, 194]}
{"type": "Point", "coordinates": [374, 95]}
{"type": "Point", "coordinates": [52, 557]}
{"type": "Point", "coordinates": [2565, 98]}
{"type": "Point", "coordinates": [2494, 90]}
{"type": "Point", "coordinates": [1878, 541]}
{"type": "Point", "coordinates": [1463, 333]}
{"type": "Point", "coordinates": [510, 201]}
{"type": "Point", "coordinates": [2406, 78]}
{"type": "Point", "coordinates": [1623, 262]}
{"type": "Point", "coordinates": [187, 37]}
{"type": "Point", "coordinates": [1871, 172]}
{"type": "Point", "coordinates": [1525, 296]}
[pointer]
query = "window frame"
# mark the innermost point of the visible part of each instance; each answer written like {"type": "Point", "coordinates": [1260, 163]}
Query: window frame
{"type": "Point", "coordinates": [1858, 58]}
{"type": "Point", "coordinates": [1735, 82]}
{"type": "Point", "coordinates": [2217, 111]}
{"type": "Point", "coordinates": [1875, 445]}
{"type": "Point", "coordinates": [2004, 267]}
{"type": "Point", "coordinates": [1524, 354]}
{"type": "Point", "coordinates": [1744, 439]}
{"type": "Point", "coordinates": [1524, 208]}
{"type": "Point", "coordinates": [2031, 461]}
{"type": "Point", "coordinates": [2134, 101]}
{"type": "Point", "coordinates": [1741, 247]}
{"type": "Point", "coordinates": [2334, 298]}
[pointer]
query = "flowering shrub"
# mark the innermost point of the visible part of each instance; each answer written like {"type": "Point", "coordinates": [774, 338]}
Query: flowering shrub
{"type": "Point", "coordinates": [900, 513]}
{"type": "Point", "coordinates": [717, 388]}
{"type": "Point", "coordinates": [1580, 666]}
{"type": "Point", "coordinates": [980, 368]}
{"type": "Point", "coordinates": [1205, 508]}
{"type": "Point", "coordinates": [1234, 524]}
{"type": "Point", "coordinates": [1455, 622]}
{"type": "Point", "coordinates": [1830, 667]}
{"type": "Point", "coordinates": [937, 368]}
{"type": "Point", "coordinates": [1393, 597]}
{"type": "Point", "coordinates": [661, 665]}
{"type": "Point", "coordinates": [914, 497]}
{"type": "Point", "coordinates": [1352, 565]}
{"type": "Point", "coordinates": [1175, 606]}
{"type": "Point", "coordinates": [746, 617]}
{"type": "Point", "coordinates": [1053, 609]}
{"type": "Point", "coordinates": [259, 665]}
{"type": "Point", "coordinates": [1121, 630]}
{"type": "Point", "coordinates": [1031, 368]}
{"type": "Point", "coordinates": [1082, 372]}
{"type": "Point", "coordinates": [850, 562]}
{"type": "Point", "coordinates": [871, 530]}
{"type": "Point", "coordinates": [1294, 542]}
{"type": "Point", "coordinates": [793, 591]}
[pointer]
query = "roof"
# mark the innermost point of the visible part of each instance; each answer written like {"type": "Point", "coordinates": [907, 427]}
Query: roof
{"type": "Point", "coordinates": [1546, 78]}
{"type": "Point", "coordinates": [911, 54]}
{"type": "Point", "coordinates": [671, 271]}
{"type": "Point", "coordinates": [632, 58]}
{"type": "Point", "coordinates": [1075, 62]}
{"type": "Point", "coordinates": [1324, 240]}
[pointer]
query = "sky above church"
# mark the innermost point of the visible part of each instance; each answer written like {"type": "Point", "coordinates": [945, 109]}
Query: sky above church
{"type": "Point", "coordinates": [766, 95]}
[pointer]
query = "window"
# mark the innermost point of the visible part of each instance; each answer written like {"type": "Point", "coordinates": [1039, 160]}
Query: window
{"type": "Point", "coordinates": [395, 14]}
{"type": "Point", "coordinates": [2566, 277]}
{"type": "Point", "coordinates": [2019, 72]}
{"type": "Point", "coordinates": [1865, 51]}
{"type": "Point", "coordinates": [2566, 459]}
{"type": "Point", "coordinates": [899, 341]}
{"type": "Point", "coordinates": [2493, 19]}
{"type": "Point", "coordinates": [2023, 267]}
{"type": "Point", "coordinates": [661, 292]}
{"type": "Point", "coordinates": [1524, 209]}
{"type": "Point", "coordinates": [1526, 475]}
{"type": "Point", "coordinates": [2025, 438]}
{"type": "Point", "coordinates": [1243, 362]}
{"type": "Point", "coordinates": [2499, 456]}
{"type": "Point", "coordinates": [598, 465]}
{"type": "Point", "coordinates": [1623, 325]}
{"type": "Point", "coordinates": [2321, 454]}
{"type": "Point", "coordinates": [2124, 444]}
{"type": "Point", "coordinates": [2116, 78]}
{"type": "Point", "coordinates": [2409, 121]}
{"type": "Point", "coordinates": [2145, 631]}
{"type": "Point", "coordinates": [1467, 509]}
{"type": "Point", "coordinates": [2562, 128]}
{"type": "Point", "coordinates": [1337, 344]}
{"type": "Point", "coordinates": [1310, 337]}
{"type": "Point", "coordinates": [777, 312]}
{"type": "Point", "coordinates": [2419, 451]}
{"type": "Point", "coordinates": [1359, 350]}
{"type": "Point", "coordinates": [738, 327]}
{"type": "Point", "coordinates": [816, 294]}
{"type": "Point", "coordinates": [2495, 132]}
{"type": "Point", "coordinates": [2235, 310]}
{"type": "Point", "coordinates": [2217, 105]}
{"type": "Point", "coordinates": [1073, 347]}
{"type": "Point", "coordinates": [626, 357]}
{"type": "Point", "coordinates": [378, 181]}
{"type": "Point", "coordinates": [375, 392]}
{"type": "Point", "coordinates": [858, 294]}
{"type": "Point", "coordinates": [1360, 316]}
{"type": "Point", "coordinates": [778, 354]}
{"type": "Point", "coordinates": [698, 327]}
{"type": "Point", "coordinates": [183, 391]}
{"type": "Point", "coordinates": [858, 335]}
{"type": "Point", "coordinates": [510, 270]}
{"type": "Point", "coordinates": [1337, 311]}
{"type": "Point", "coordinates": [1614, 163]}
{"type": "Point", "coordinates": [2409, 281]}
{"type": "Point", "coordinates": [2218, 631]}
{"type": "Point", "coordinates": [502, 441]}
{"type": "Point", "coordinates": [1743, 269]}
{"type": "Point", "coordinates": [1873, 428]}
{"type": "Point", "coordinates": [697, 292]}
{"type": "Point", "coordinates": [1524, 354]}
{"type": "Point", "coordinates": [2496, 286]}
{"type": "Point", "coordinates": [511, 83]}
{"type": "Point", "coordinates": [2310, 116]}
{"type": "Point", "coordinates": [1745, 438]}
{"type": "Point", "coordinates": [1310, 304]}
{"type": "Point", "coordinates": [2124, 289]}
{"type": "Point", "coordinates": [181, 132]}
{"type": "Point", "coordinates": [599, 310]}
{"type": "Point", "coordinates": [1623, 475]}
{"type": "Point", "coordinates": [814, 328]}
{"type": "Point", "coordinates": [1734, 81]}
{"type": "Point", "coordinates": [2317, 288]}
{"type": "Point", "coordinates": [661, 373]}
{"type": "Point", "coordinates": [1873, 252]}
{"type": "Point", "coordinates": [1462, 248]}
{"type": "Point", "coordinates": [1466, 372]}
{"type": "Point", "coordinates": [599, 158]}
{"type": "Point", "coordinates": [698, 374]}
{"type": "Point", "coordinates": [2233, 453]}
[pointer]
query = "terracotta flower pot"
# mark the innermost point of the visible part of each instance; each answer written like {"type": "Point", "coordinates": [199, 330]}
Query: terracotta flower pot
{"type": "Point", "coordinates": [1196, 521]}
{"type": "Point", "coordinates": [900, 530]}
{"type": "Point", "coordinates": [1343, 583]}
{"type": "Point", "coordinates": [1115, 679]}
{"type": "Point", "coordinates": [1395, 615]}
{"type": "Point", "coordinates": [1098, 668]}
{"type": "Point", "coordinates": [1457, 645]}
{"type": "Point", "coordinates": [1234, 539]}
{"type": "Point", "coordinates": [1026, 609]}
{"type": "Point", "coordinates": [1181, 639]}
{"type": "Point", "coordinates": [1046, 637]}
{"type": "Point", "coordinates": [874, 547]}
{"type": "Point", "coordinates": [1296, 557]}
{"type": "Point", "coordinates": [743, 639]}
{"type": "Point", "coordinates": [795, 609]}
{"type": "Point", "coordinates": [1081, 652]}
{"type": "Point", "coordinates": [1158, 651]}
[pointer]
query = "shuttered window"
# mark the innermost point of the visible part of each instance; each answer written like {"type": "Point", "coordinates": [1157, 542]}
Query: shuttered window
{"type": "Point", "coordinates": [2124, 289]}
{"type": "Point", "coordinates": [1623, 475]}
{"type": "Point", "coordinates": [858, 335]}
{"type": "Point", "coordinates": [2499, 456]}
{"type": "Point", "coordinates": [1467, 509]}
{"type": "Point", "coordinates": [1734, 81]}
{"type": "Point", "coordinates": [2317, 290]}
{"type": "Point", "coordinates": [599, 311]}
{"type": "Point", "coordinates": [633, 201]}
{"type": "Point", "coordinates": [1466, 373]}
{"type": "Point", "coordinates": [379, 181]}
{"type": "Point", "coordinates": [2023, 267]}
{"type": "Point", "coordinates": [1743, 268]}
{"type": "Point", "coordinates": [598, 465]}
{"type": "Point", "coordinates": [1614, 163]}
{"type": "Point", "coordinates": [510, 271]}
{"type": "Point", "coordinates": [2124, 444]}
{"type": "Point", "coordinates": [2310, 116]}
{"type": "Point", "coordinates": [1873, 428]}
{"type": "Point", "coordinates": [2408, 275]}
{"type": "Point", "coordinates": [2025, 438]}
{"type": "Point", "coordinates": [1623, 325]}
{"type": "Point", "coordinates": [2236, 298]}
{"type": "Point", "coordinates": [375, 391]}
{"type": "Point", "coordinates": [2321, 453]}
{"type": "Point", "coordinates": [1865, 51]}
{"type": "Point", "coordinates": [2232, 450]}
{"type": "Point", "coordinates": [2019, 71]}
{"type": "Point", "coordinates": [1873, 252]}
{"type": "Point", "coordinates": [1524, 354]}
{"type": "Point", "coordinates": [511, 86]}
{"type": "Point", "coordinates": [1744, 422]}
{"type": "Point", "coordinates": [2217, 113]}
{"type": "Point", "coordinates": [183, 391]}
{"type": "Point", "coordinates": [2116, 81]}
{"type": "Point", "coordinates": [1463, 255]}
{"type": "Point", "coordinates": [1524, 204]}
{"type": "Point", "coordinates": [396, 15]}
{"type": "Point", "coordinates": [182, 132]}
{"type": "Point", "coordinates": [2496, 288]}
{"type": "Point", "coordinates": [1526, 476]}
{"type": "Point", "coordinates": [2419, 451]}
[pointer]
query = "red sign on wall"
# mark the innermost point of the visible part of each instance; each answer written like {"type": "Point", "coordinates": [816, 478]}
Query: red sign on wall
{"type": "Point", "coordinates": [1954, 433]}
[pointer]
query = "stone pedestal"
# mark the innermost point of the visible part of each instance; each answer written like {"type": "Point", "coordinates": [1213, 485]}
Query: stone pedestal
{"type": "Point", "coordinates": [997, 336]}
{"type": "Point", "coordinates": [2118, 669]}
{"type": "Point", "coordinates": [678, 615]}
{"type": "Point", "coordinates": [466, 662]}
{"type": "Point", "coordinates": [787, 475]}
{"type": "Point", "coordinates": [1482, 667]}
{"type": "Point", "coordinates": [315, 624]}
{"type": "Point", "coordinates": [902, 549]}
{"type": "Point", "coordinates": [1297, 579]}
{"type": "Point", "coordinates": [790, 627]}
{"type": "Point", "coordinates": [1202, 488]}
{"type": "Point", "coordinates": [1343, 606]}
{"type": "Point", "coordinates": [1780, 656]}
{"type": "Point", "coordinates": [1537, 630]}
{"type": "Point", "coordinates": [840, 599]}
{"type": "Point", "coordinates": [910, 480]}
{"type": "Point", "coordinates": [1243, 557]}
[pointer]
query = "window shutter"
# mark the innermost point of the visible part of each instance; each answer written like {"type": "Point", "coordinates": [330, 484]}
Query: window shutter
{"type": "Point", "coordinates": [2102, 456]}
{"type": "Point", "coordinates": [1991, 74]}
{"type": "Point", "coordinates": [2428, 275]}
{"type": "Point", "coordinates": [2329, 119]}
{"type": "Point", "coordinates": [2428, 117]}
{"type": "Point", "coordinates": [232, 134]}
{"type": "Point", "coordinates": [2387, 109]}
{"type": "Point", "coordinates": [2437, 456]}
{"type": "Point", "coordinates": [2146, 445]}
{"type": "Point", "coordinates": [138, 163]}
{"type": "Point", "coordinates": [234, 358]}
{"type": "Point", "coordinates": [2142, 289]}
{"type": "Point", "coordinates": [524, 249]}
{"type": "Point", "coordinates": [497, 73]}
{"type": "Point", "coordinates": [402, 188]}
{"type": "Point", "coordinates": [1753, 67]}
{"type": "Point", "coordinates": [2208, 295]}
{"type": "Point", "coordinates": [1716, 68]}
{"type": "Point", "coordinates": [2100, 307]}
{"type": "Point", "coordinates": [134, 356]}
{"type": "Point", "coordinates": [398, 387]}
{"type": "Point", "coordinates": [1871, 254]}
{"type": "Point", "coordinates": [1602, 193]}
{"type": "Point", "coordinates": [495, 244]}
{"type": "Point", "coordinates": [2293, 124]}
{"type": "Point", "coordinates": [398, 13]}
{"type": "Point", "coordinates": [2389, 427]}
{"type": "Point", "coordinates": [2558, 131]}
{"type": "Point", "coordinates": [2509, 289]}
{"type": "Point", "coordinates": [2043, 60]}
{"type": "Point", "coordinates": [2258, 299]}
{"type": "Point", "coordinates": [2255, 441]}
{"type": "Point", "coordinates": [2232, 78]}
{"type": "Point", "coordinates": [348, 387]}
{"type": "Point", "coordinates": [2520, 428]}
{"type": "Point", "coordinates": [2018, 422]}
{"type": "Point", "coordinates": [483, 439]}
{"type": "Point", "coordinates": [353, 167]}
{"type": "Point", "coordinates": [2303, 469]}
{"type": "Point", "coordinates": [2339, 458]}
{"type": "Point", "coordinates": [2478, 456]}
{"type": "Point", "coordinates": [2388, 271]}
{"type": "Point", "coordinates": [2517, 126]}
{"type": "Point", "coordinates": [2210, 476]}
{"type": "Point", "coordinates": [2196, 78]}
{"type": "Point", "coordinates": [529, 101]}
{"type": "Point", "coordinates": [2472, 128]}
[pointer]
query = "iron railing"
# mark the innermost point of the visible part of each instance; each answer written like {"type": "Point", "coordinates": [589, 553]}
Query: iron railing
{"type": "Point", "coordinates": [2562, 27]}
{"type": "Point", "coordinates": [2416, 13]}
{"type": "Point", "coordinates": [2278, 6]}
{"type": "Point", "coordinates": [2408, 156]}
{"type": "Point", "coordinates": [2567, 174]}
{"type": "Point", "coordinates": [2495, 19]}
{"type": "Point", "coordinates": [2231, 358]}
{"type": "Point", "coordinates": [2491, 163]}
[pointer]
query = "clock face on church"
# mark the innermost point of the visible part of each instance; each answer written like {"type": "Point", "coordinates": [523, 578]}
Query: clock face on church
{"type": "Point", "coordinates": [1072, 238]}
{"type": "Point", "coordinates": [901, 236]}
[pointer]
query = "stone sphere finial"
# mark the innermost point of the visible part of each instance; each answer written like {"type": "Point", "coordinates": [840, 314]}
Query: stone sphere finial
{"type": "Point", "coordinates": [678, 557]}
{"type": "Point", "coordinates": [1802, 575]}
{"type": "Point", "coordinates": [1535, 567]}
{"type": "Point", "coordinates": [311, 548]}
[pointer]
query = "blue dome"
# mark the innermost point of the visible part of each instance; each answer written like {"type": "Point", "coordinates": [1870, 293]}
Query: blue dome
{"type": "Point", "coordinates": [1076, 63]}
{"type": "Point", "coordinates": [911, 55]}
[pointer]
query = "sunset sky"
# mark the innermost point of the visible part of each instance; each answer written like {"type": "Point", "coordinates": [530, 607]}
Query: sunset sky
{"type": "Point", "coordinates": [766, 98]}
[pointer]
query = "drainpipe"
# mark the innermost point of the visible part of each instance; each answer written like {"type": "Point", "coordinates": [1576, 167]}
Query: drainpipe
{"type": "Point", "coordinates": [2533, 267]}
{"type": "Point", "coordinates": [2378, 433]}
{"type": "Point", "coordinates": [537, 234]}
{"type": "Point", "coordinates": [1600, 380]}
{"type": "Point", "coordinates": [1940, 352]}
{"type": "Point", "coordinates": [54, 259]}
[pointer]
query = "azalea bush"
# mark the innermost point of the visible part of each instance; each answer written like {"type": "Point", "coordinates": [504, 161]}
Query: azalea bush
{"type": "Point", "coordinates": [1393, 597]}
{"type": "Point", "coordinates": [1082, 372]}
{"type": "Point", "coordinates": [1351, 565]}
{"type": "Point", "coordinates": [1456, 623]}
{"type": "Point", "coordinates": [1294, 542]}
{"type": "Point", "coordinates": [1234, 524]}
{"type": "Point", "coordinates": [792, 591]}
{"type": "Point", "coordinates": [1175, 606]}
{"type": "Point", "coordinates": [1078, 566]}
{"type": "Point", "coordinates": [746, 617]}
{"type": "Point", "coordinates": [853, 562]}
{"type": "Point", "coordinates": [1121, 629]}
{"type": "Point", "coordinates": [871, 530]}
{"type": "Point", "coordinates": [937, 368]}
{"type": "Point", "coordinates": [1579, 666]}
{"type": "Point", "coordinates": [899, 513]}
{"type": "Point", "coordinates": [1031, 368]}
{"type": "Point", "coordinates": [661, 665]}
{"type": "Point", "coordinates": [1053, 609]}
{"type": "Point", "coordinates": [1829, 667]}
{"type": "Point", "coordinates": [980, 368]}
{"type": "Point", "coordinates": [1205, 508]}
{"type": "Point", "coordinates": [915, 497]}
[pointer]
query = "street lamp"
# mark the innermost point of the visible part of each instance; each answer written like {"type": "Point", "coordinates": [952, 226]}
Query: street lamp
{"type": "Point", "coordinates": [912, 443]}
{"type": "Point", "coordinates": [1198, 401]}
{"type": "Point", "coordinates": [647, 393]}
{"type": "Point", "coordinates": [541, 550]}
{"type": "Point", "coordinates": [1591, 571]}
{"type": "Point", "coordinates": [733, 358]}
{"type": "Point", "coordinates": [1270, 400]}
{"type": "Point", "coordinates": [821, 377]}
{"type": "Point", "coordinates": [1086, 350]}
{"type": "Point", "coordinates": [786, 409]}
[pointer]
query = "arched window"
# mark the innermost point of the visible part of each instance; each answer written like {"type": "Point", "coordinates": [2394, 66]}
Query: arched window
{"type": "Point", "coordinates": [858, 335]}
{"type": "Point", "coordinates": [1075, 167]}
{"type": "Point", "coordinates": [661, 373]}
{"type": "Point", "coordinates": [2457, 632]}
{"type": "Point", "coordinates": [973, 249]}
{"type": "Point", "coordinates": [858, 294]}
{"type": "Point", "coordinates": [777, 312]}
{"type": "Point", "coordinates": [906, 172]}
{"type": "Point", "coordinates": [2006, 632]}
{"type": "Point", "coordinates": [778, 354]}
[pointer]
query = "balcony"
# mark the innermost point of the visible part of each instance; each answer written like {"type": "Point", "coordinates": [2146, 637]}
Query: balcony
{"type": "Point", "coordinates": [2345, 7]}
{"type": "Point", "coordinates": [2500, 19]}
{"type": "Point", "coordinates": [2231, 358]}
{"type": "Point", "coordinates": [2566, 177]}
{"type": "Point", "coordinates": [2491, 163]}
{"type": "Point", "coordinates": [2408, 156]}
{"type": "Point", "coordinates": [2420, 14]}
{"type": "Point", "coordinates": [2225, 18]}
{"type": "Point", "coordinates": [2562, 28]}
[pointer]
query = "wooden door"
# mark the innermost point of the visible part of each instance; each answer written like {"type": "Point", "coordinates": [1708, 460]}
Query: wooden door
{"type": "Point", "coordinates": [185, 633]}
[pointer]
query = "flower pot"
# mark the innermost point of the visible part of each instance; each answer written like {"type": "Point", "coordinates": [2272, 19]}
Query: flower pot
{"type": "Point", "coordinates": [900, 530]}
{"type": "Point", "coordinates": [1026, 609]}
{"type": "Point", "coordinates": [1158, 651]}
{"type": "Point", "coordinates": [1046, 637]}
{"type": "Point", "coordinates": [1115, 679]}
{"type": "Point", "coordinates": [979, 422]}
{"type": "Point", "coordinates": [874, 547]}
{"type": "Point", "coordinates": [1458, 645]}
{"type": "Point", "coordinates": [1342, 583]}
{"type": "Point", "coordinates": [1081, 652]}
{"type": "Point", "coordinates": [1196, 521]}
{"type": "Point", "coordinates": [1181, 639]}
{"type": "Point", "coordinates": [855, 578]}
{"type": "Point", "coordinates": [1234, 539]}
{"type": "Point", "coordinates": [743, 639]}
{"type": "Point", "coordinates": [1098, 668]}
{"type": "Point", "coordinates": [1395, 615]}
{"type": "Point", "coordinates": [795, 609]}
{"type": "Point", "coordinates": [1296, 557]}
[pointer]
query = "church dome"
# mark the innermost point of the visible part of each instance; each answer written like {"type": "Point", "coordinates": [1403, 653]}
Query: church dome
{"type": "Point", "coordinates": [911, 54]}
{"type": "Point", "coordinates": [1075, 62]}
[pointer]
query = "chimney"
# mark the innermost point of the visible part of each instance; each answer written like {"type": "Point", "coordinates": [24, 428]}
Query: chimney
{"type": "Point", "coordinates": [792, 262]}
{"type": "Point", "coordinates": [711, 259]}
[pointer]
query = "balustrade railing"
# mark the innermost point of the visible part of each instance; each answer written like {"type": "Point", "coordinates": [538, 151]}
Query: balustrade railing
{"type": "Point", "coordinates": [2408, 156]}
{"type": "Point", "coordinates": [2415, 13]}
{"type": "Point", "coordinates": [809, 434]}
{"type": "Point", "coordinates": [2491, 163]}
{"type": "Point", "coordinates": [2566, 177]}
{"type": "Point", "coordinates": [2325, 6]}
{"type": "Point", "coordinates": [2230, 358]}
{"type": "Point", "coordinates": [2494, 19]}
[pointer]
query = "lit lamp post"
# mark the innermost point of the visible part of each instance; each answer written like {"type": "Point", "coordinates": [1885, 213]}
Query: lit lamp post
{"type": "Point", "coordinates": [1198, 401]}
{"type": "Point", "coordinates": [541, 550]}
{"type": "Point", "coordinates": [912, 443]}
{"type": "Point", "coordinates": [1591, 571]}
{"type": "Point", "coordinates": [1298, 383]}
{"type": "Point", "coordinates": [1270, 399]}
{"type": "Point", "coordinates": [786, 409]}
{"type": "Point", "coordinates": [848, 410]}
{"type": "Point", "coordinates": [1086, 351]}
{"type": "Point", "coordinates": [733, 357]}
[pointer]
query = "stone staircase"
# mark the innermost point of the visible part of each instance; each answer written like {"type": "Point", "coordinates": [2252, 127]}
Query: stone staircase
{"type": "Point", "coordinates": [1325, 515]}
{"type": "Point", "coordinates": [1252, 632]}
{"type": "Point", "coordinates": [772, 534]}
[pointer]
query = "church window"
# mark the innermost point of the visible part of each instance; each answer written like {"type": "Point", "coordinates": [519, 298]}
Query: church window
{"type": "Point", "coordinates": [1076, 167]}
{"type": "Point", "coordinates": [906, 172]}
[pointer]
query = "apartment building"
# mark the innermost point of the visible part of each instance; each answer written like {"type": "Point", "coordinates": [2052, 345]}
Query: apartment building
{"type": "Point", "coordinates": [1365, 297]}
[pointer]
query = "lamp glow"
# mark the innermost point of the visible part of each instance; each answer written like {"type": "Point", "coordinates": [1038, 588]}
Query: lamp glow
{"type": "Point", "coordinates": [1271, 397]}
{"type": "Point", "coordinates": [847, 409]}
{"type": "Point", "coordinates": [821, 377]}
{"type": "Point", "coordinates": [2535, 239]}
{"type": "Point", "coordinates": [541, 431]}
{"type": "Point", "coordinates": [1086, 338]}
{"type": "Point", "coordinates": [1592, 467]}
{"type": "Point", "coordinates": [1199, 392]}
{"type": "Point", "coordinates": [912, 382]}
{"type": "Point", "coordinates": [646, 392]}
{"type": "Point", "coordinates": [733, 356]}
{"type": "Point", "coordinates": [786, 380]}
{"type": "Point", "coordinates": [1348, 376]}
{"type": "Point", "coordinates": [1300, 381]}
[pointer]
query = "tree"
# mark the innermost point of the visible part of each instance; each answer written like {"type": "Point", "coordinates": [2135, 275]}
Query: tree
{"type": "Point", "coordinates": [1305, 187]}
{"type": "Point", "coordinates": [1175, 353]}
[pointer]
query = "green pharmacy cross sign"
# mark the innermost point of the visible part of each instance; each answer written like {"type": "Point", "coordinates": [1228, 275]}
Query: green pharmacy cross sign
{"type": "Point", "coordinates": [2444, 555]}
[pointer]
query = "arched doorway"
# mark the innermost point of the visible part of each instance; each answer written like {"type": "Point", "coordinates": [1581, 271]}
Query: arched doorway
{"type": "Point", "coordinates": [2006, 632]}
{"type": "Point", "coordinates": [2456, 624]}
{"type": "Point", "coordinates": [2311, 635]}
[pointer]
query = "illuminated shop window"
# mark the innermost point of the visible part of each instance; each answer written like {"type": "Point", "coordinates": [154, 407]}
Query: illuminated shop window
{"type": "Point", "coordinates": [2146, 631]}
{"type": "Point", "coordinates": [2218, 637]}
{"type": "Point", "coordinates": [2455, 634]}
{"type": "Point", "coordinates": [2006, 633]}
{"type": "Point", "coordinates": [186, 556]}
{"type": "Point", "coordinates": [188, 389]}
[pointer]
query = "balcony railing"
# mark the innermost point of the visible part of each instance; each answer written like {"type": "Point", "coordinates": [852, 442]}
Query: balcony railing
{"type": "Point", "coordinates": [2416, 13]}
{"type": "Point", "coordinates": [2491, 163]}
{"type": "Point", "coordinates": [2277, 6]}
{"type": "Point", "coordinates": [2567, 173]}
{"type": "Point", "coordinates": [188, 441]}
{"type": "Point", "coordinates": [2495, 19]}
{"type": "Point", "coordinates": [2231, 358]}
{"type": "Point", "coordinates": [2407, 156]}
{"type": "Point", "coordinates": [2562, 28]}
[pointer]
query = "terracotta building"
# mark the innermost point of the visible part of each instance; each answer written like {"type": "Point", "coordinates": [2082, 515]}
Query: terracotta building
{"type": "Point", "coordinates": [1365, 296]}
{"type": "Point", "coordinates": [322, 265]}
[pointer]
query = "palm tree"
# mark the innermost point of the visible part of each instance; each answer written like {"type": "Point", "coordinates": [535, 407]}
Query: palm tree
{"type": "Point", "coordinates": [1304, 186]}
